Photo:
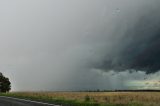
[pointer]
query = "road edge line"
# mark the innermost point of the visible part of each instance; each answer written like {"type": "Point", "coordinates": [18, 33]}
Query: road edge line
{"type": "Point", "coordinates": [32, 101]}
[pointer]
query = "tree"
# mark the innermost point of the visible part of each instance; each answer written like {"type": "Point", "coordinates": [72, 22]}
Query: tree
{"type": "Point", "coordinates": [5, 84]}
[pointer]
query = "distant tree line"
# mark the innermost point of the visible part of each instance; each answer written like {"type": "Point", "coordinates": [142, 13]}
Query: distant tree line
{"type": "Point", "coordinates": [141, 90]}
{"type": "Point", "coordinates": [5, 84]}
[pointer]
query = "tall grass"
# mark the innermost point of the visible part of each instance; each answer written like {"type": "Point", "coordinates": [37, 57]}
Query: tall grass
{"type": "Point", "coordinates": [93, 98]}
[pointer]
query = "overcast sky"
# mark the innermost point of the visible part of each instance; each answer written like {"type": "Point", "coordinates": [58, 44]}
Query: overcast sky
{"type": "Point", "coordinates": [80, 44]}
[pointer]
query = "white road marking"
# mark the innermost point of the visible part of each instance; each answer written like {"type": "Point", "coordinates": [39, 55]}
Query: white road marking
{"type": "Point", "coordinates": [30, 101]}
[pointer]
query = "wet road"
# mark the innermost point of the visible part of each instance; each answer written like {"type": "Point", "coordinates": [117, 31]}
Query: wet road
{"type": "Point", "coordinates": [9, 101]}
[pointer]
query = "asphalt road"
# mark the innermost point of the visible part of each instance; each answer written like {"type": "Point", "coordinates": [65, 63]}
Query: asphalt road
{"type": "Point", "coordinates": [9, 101]}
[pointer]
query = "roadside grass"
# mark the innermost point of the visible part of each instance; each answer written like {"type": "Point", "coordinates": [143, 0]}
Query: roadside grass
{"type": "Point", "coordinates": [88, 99]}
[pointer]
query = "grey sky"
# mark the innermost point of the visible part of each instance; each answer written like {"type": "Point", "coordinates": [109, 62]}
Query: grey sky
{"type": "Point", "coordinates": [60, 44]}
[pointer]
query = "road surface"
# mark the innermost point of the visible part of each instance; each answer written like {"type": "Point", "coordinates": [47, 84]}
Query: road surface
{"type": "Point", "coordinates": [9, 101]}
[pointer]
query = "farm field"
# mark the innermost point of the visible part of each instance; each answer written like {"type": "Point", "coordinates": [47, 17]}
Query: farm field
{"type": "Point", "coordinates": [92, 98]}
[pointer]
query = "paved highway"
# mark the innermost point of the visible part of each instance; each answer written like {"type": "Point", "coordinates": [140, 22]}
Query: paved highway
{"type": "Point", "coordinates": [9, 101]}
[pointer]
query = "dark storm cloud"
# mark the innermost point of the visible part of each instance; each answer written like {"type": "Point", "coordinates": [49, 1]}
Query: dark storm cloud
{"type": "Point", "coordinates": [138, 47]}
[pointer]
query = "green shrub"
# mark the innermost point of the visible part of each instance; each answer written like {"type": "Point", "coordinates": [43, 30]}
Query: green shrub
{"type": "Point", "coordinates": [87, 98]}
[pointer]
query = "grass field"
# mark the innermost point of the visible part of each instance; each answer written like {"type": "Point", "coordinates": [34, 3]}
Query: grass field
{"type": "Point", "coordinates": [93, 98]}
